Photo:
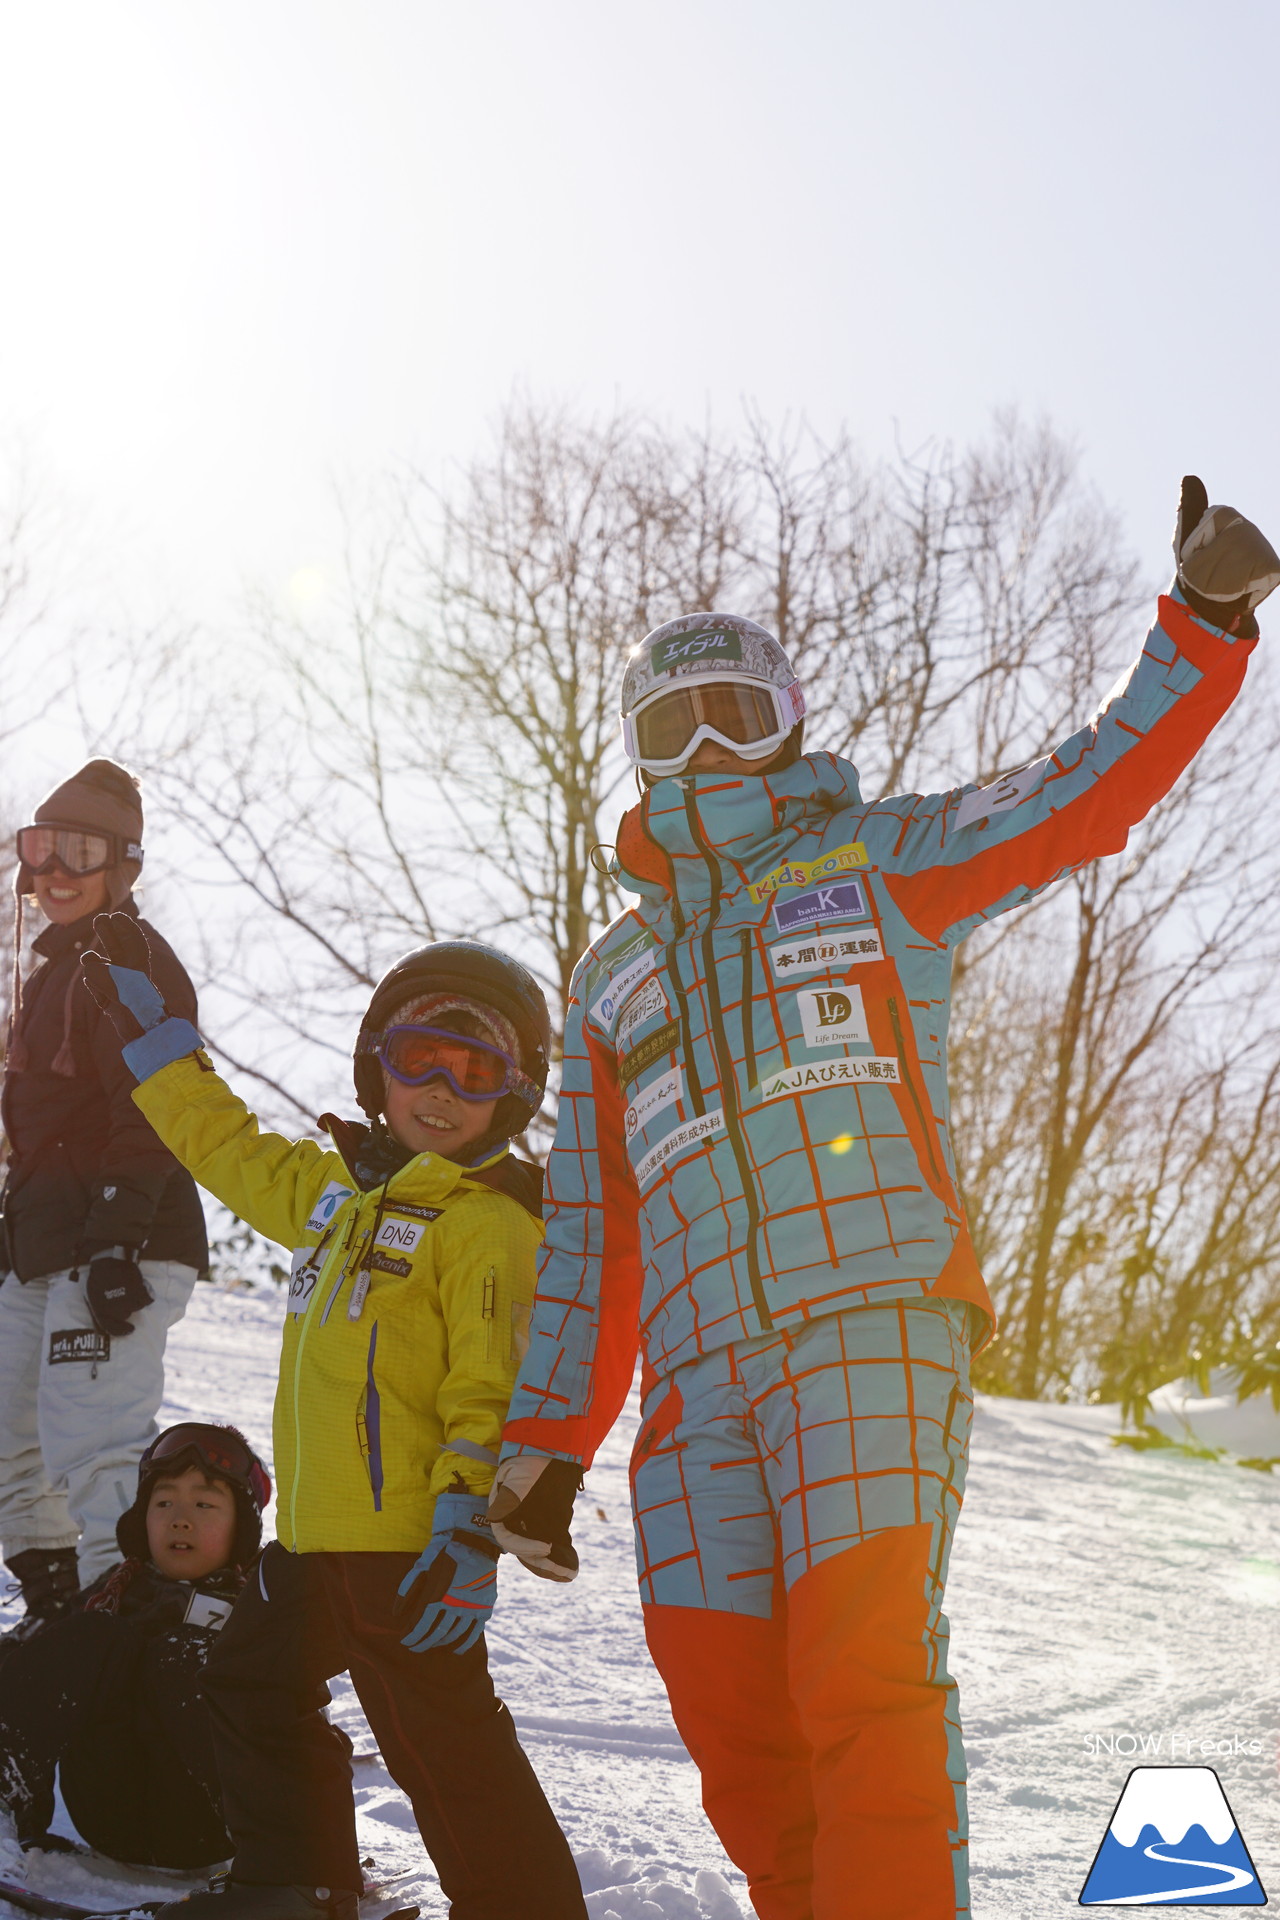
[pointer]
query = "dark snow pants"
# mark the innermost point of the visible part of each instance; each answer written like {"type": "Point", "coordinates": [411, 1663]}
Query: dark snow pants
{"type": "Point", "coordinates": [120, 1710]}
{"type": "Point", "coordinates": [447, 1740]}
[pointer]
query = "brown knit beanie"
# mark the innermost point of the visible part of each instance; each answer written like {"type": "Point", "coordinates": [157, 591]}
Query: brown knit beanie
{"type": "Point", "coordinates": [103, 798]}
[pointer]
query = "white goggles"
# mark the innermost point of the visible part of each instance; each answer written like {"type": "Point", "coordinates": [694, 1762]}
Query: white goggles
{"type": "Point", "coordinates": [750, 717]}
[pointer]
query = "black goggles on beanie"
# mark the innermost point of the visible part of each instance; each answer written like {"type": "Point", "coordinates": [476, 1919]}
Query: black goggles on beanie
{"type": "Point", "coordinates": [474, 1069]}
{"type": "Point", "coordinates": [217, 1449]}
{"type": "Point", "coordinates": [78, 850]}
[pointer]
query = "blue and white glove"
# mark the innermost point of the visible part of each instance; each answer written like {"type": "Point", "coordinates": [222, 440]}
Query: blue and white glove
{"type": "Point", "coordinates": [455, 1580]}
{"type": "Point", "coordinates": [122, 985]}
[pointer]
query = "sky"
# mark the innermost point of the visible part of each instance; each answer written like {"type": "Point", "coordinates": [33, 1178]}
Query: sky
{"type": "Point", "coordinates": [252, 255]}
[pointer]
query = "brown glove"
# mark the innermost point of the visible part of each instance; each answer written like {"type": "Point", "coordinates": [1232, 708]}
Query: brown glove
{"type": "Point", "coordinates": [1226, 567]}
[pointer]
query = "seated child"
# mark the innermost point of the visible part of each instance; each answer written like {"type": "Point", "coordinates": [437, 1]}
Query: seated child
{"type": "Point", "coordinates": [414, 1242]}
{"type": "Point", "coordinates": [110, 1693]}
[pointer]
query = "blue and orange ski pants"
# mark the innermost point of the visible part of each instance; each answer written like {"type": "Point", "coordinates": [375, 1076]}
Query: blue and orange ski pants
{"type": "Point", "coordinates": [795, 1497]}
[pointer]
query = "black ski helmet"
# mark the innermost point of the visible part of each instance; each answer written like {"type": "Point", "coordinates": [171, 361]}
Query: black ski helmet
{"type": "Point", "coordinates": [476, 972]}
{"type": "Point", "coordinates": [223, 1452]}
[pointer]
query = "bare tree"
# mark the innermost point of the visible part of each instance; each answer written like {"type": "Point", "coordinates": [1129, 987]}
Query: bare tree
{"type": "Point", "coordinates": [440, 758]}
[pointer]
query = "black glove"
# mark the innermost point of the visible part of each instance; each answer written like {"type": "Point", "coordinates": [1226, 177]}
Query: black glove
{"type": "Point", "coordinates": [1226, 567]}
{"type": "Point", "coordinates": [114, 1290]}
{"type": "Point", "coordinates": [530, 1508]}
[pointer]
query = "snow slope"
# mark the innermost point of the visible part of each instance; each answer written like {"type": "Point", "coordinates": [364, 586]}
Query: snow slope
{"type": "Point", "coordinates": [1099, 1599]}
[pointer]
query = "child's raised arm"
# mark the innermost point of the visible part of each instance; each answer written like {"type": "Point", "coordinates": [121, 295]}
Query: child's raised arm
{"type": "Point", "coordinates": [273, 1183]}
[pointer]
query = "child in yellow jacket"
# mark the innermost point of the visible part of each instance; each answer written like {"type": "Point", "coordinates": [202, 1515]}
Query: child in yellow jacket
{"type": "Point", "coordinates": [412, 1276]}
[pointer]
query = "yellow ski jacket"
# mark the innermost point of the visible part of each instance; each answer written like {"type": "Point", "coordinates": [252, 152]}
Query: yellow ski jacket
{"type": "Point", "coordinates": [406, 1320]}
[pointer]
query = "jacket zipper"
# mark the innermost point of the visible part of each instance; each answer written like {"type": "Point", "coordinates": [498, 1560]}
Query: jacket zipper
{"type": "Point", "coordinates": [344, 1255]}
{"type": "Point", "coordinates": [728, 1084]}
{"type": "Point", "coordinates": [748, 1007]}
{"type": "Point", "coordinates": [697, 1099]}
{"type": "Point", "coordinates": [373, 1421]}
{"type": "Point", "coordinates": [910, 1084]}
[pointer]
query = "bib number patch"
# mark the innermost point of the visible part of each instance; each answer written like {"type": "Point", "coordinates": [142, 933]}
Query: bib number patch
{"type": "Point", "coordinates": [304, 1271]}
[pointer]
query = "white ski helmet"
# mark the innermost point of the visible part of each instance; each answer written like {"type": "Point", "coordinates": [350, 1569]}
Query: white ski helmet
{"type": "Point", "coordinates": [707, 676]}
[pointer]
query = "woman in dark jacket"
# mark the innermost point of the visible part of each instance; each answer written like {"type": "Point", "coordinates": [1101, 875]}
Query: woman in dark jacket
{"type": "Point", "coordinates": [103, 1231]}
{"type": "Point", "coordinates": [111, 1691]}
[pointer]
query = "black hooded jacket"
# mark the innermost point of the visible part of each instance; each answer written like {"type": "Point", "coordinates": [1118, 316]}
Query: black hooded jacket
{"type": "Point", "coordinates": [85, 1169]}
{"type": "Point", "coordinates": [111, 1694]}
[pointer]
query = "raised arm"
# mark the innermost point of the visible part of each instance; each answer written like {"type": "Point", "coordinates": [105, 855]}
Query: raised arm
{"type": "Point", "coordinates": [967, 855]}
{"type": "Point", "coordinates": [271, 1182]}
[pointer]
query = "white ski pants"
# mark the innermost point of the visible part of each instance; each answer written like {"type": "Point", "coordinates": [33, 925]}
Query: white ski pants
{"type": "Point", "coordinates": [77, 1411]}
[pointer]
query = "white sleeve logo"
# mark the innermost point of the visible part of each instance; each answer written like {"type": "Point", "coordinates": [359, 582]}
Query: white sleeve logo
{"type": "Point", "coordinates": [1001, 794]}
{"type": "Point", "coordinates": [606, 1005]}
{"type": "Point", "coordinates": [326, 1206]}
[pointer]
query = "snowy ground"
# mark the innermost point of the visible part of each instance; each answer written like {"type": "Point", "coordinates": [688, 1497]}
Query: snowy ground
{"type": "Point", "coordinates": [1104, 1605]}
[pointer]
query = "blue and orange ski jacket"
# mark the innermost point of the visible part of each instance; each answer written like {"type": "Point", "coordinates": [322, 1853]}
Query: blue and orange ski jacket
{"type": "Point", "coordinates": [754, 1117]}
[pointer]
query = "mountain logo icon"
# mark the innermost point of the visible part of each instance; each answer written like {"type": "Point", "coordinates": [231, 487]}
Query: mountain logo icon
{"type": "Point", "coordinates": [1172, 1842]}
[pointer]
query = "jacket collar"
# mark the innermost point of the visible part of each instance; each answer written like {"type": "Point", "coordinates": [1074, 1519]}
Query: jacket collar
{"type": "Point", "coordinates": [372, 1156]}
{"type": "Point", "coordinates": [53, 941]}
{"type": "Point", "coordinates": [749, 821]}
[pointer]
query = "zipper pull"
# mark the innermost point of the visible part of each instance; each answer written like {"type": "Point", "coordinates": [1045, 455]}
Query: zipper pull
{"type": "Point", "coordinates": [359, 1294]}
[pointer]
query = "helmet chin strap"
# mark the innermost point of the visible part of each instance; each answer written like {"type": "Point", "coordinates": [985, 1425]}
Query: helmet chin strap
{"type": "Point", "coordinates": [787, 755]}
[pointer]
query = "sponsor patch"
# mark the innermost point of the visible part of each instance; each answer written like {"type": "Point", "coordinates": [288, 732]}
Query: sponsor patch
{"type": "Point", "coordinates": [827, 1073]}
{"type": "Point", "coordinates": [419, 1213]}
{"type": "Point", "coordinates": [646, 1051]}
{"type": "Point", "coordinates": [836, 1018]}
{"type": "Point", "coordinates": [386, 1263]}
{"type": "Point", "coordinates": [806, 873]}
{"type": "Point", "coordinates": [303, 1274]}
{"type": "Point", "coordinates": [642, 1006]}
{"type": "Point", "coordinates": [806, 956]}
{"type": "Point", "coordinates": [843, 901]}
{"type": "Point", "coordinates": [400, 1235]}
{"type": "Point", "coordinates": [78, 1343]}
{"type": "Point", "coordinates": [611, 963]}
{"type": "Point", "coordinates": [622, 984]}
{"type": "Point", "coordinates": [711, 643]}
{"type": "Point", "coordinates": [662, 1092]}
{"type": "Point", "coordinates": [1001, 794]}
{"type": "Point", "coordinates": [687, 1134]}
{"type": "Point", "coordinates": [326, 1206]}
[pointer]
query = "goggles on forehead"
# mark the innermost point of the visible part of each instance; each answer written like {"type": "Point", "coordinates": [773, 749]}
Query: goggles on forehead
{"type": "Point", "coordinates": [212, 1447]}
{"type": "Point", "coordinates": [750, 717]}
{"type": "Point", "coordinates": [75, 849]}
{"type": "Point", "coordinates": [474, 1069]}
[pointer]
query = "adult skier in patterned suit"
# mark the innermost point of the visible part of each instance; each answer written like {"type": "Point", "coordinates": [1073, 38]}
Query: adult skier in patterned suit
{"type": "Point", "coordinates": [752, 1179]}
